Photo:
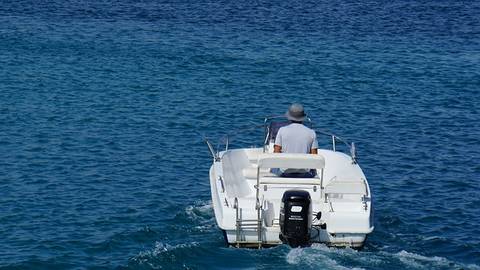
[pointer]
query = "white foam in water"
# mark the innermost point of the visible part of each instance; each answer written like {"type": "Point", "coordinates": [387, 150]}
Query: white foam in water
{"type": "Point", "coordinates": [417, 261]}
{"type": "Point", "coordinates": [321, 255]}
{"type": "Point", "coordinates": [433, 238]}
{"type": "Point", "coordinates": [162, 248]}
{"type": "Point", "coordinates": [365, 257]}
{"type": "Point", "coordinates": [202, 214]}
{"type": "Point", "coordinates": [294, 256]}
{"type": "Point", "coordinates": [343, 251]}
{"type": "Point", "coordinates": [145, 257]}
{"type": "Point", "coordinates": [314, 256]}
{"type": "Point", "coordinates": [413, 259]}
{"type": "Point", "coordinates": [205, 208]}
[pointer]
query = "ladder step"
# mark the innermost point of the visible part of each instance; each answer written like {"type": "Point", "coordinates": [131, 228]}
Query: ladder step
{"type": "Point", "coordinates": [251, 225]}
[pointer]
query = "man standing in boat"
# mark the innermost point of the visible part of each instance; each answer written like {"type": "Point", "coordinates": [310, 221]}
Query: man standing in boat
{"type": "Point", "coordinates": [296, 138]}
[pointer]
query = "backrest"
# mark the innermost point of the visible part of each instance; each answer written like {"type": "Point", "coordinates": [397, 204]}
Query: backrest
{"type": "Point", "coordinates": [346, 190]}
{"type": "Point", "coordinates": [234, 162]}
{"type": "Point", "coordinates": [291, 161]}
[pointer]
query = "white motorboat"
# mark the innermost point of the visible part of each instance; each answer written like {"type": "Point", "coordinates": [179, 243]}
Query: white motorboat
{"type": "Point", "coordinates": [256, 208]}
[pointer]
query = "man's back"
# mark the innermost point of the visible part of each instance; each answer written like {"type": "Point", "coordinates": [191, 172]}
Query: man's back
{"type": "Point", "coordinates": [296, 138]}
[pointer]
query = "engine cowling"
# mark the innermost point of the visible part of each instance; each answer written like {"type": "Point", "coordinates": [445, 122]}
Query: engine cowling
{"type": "Point", "coordinates": [295, 218]}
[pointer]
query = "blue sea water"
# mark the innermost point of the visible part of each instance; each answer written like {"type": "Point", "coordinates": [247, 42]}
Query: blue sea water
{"type": "Point", "coordinates": [102, 104]}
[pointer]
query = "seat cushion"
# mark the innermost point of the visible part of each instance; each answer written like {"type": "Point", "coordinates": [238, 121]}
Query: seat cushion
{"type": "Point", "coordinates": [251, 173]}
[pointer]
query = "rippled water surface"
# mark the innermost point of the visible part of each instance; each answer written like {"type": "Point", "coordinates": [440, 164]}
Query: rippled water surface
{"type": "Point", "coordinates": [102, 104]}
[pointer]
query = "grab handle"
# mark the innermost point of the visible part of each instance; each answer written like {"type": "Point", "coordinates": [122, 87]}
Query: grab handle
{"type": "Point", "coordinates": [212, 151]}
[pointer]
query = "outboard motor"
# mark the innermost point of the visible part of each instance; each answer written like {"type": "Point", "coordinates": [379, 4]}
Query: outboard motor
{"type": "Point", "coordinates": [295, 218]}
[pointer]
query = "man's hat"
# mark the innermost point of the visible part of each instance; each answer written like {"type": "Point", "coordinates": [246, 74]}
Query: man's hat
{"type": "Point", "coordinates": [295, 113]}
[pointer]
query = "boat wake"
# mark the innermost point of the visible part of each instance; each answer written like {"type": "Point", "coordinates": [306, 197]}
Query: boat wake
{"type": "Point", "coordinates": [201, 216]}
{"type": "Point", "coordinates": [201, 240]}
{"type": "Point", "coordinates": [334, 258]}
{"type": "Point", "coordinates": [161, 248]}
{"type": "Point", "coordinates": [304, 256]}
{"type": "Point", "coordinates": [162, 254]}
{"type": "Point", "coordinates": [200, 211]}
{"type": "Point", "coordinates": [183, 238]}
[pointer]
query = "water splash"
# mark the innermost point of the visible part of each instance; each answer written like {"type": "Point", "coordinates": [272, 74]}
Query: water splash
{"type": "Point", "coordinates": [335, 258]}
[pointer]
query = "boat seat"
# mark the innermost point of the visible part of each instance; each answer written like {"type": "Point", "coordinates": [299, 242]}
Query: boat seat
{"type": "Point", "coordinates": [289, 181]}
{"type": "Point", "coordinates": [251, 172]}
{"type": "Point", "coordinates": [350, 187]}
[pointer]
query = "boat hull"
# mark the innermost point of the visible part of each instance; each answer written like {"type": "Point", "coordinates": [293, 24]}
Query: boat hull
{"type": "Point", "coordinates": [270, 239]}
{"type": "Point", "coordinates": [344, 223]}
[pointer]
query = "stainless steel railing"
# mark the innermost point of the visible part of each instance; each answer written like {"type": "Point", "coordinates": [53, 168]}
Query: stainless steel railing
{"type": "Point", "coordinates": [334, 138]}
{"type": "Point", "coordinates": [226, 139]}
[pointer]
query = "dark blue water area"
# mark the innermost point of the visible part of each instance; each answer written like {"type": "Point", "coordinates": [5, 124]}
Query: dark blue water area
{"type": "Point", "coordinates": [103, 105]}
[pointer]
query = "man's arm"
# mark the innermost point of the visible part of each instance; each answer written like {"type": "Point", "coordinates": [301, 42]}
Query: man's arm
{"type": "Point", "coordinates": [314, 148]}
{"type": "Point", "coordinates": [277, 149]}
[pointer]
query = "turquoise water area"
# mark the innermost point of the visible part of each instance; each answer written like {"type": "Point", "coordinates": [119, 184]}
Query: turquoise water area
{"type": "Point", "coordinates": [102, 103]}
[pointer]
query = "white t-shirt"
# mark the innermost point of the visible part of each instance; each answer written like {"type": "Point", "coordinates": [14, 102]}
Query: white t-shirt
{"type": "Point", "coordinates": [296, 138]}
